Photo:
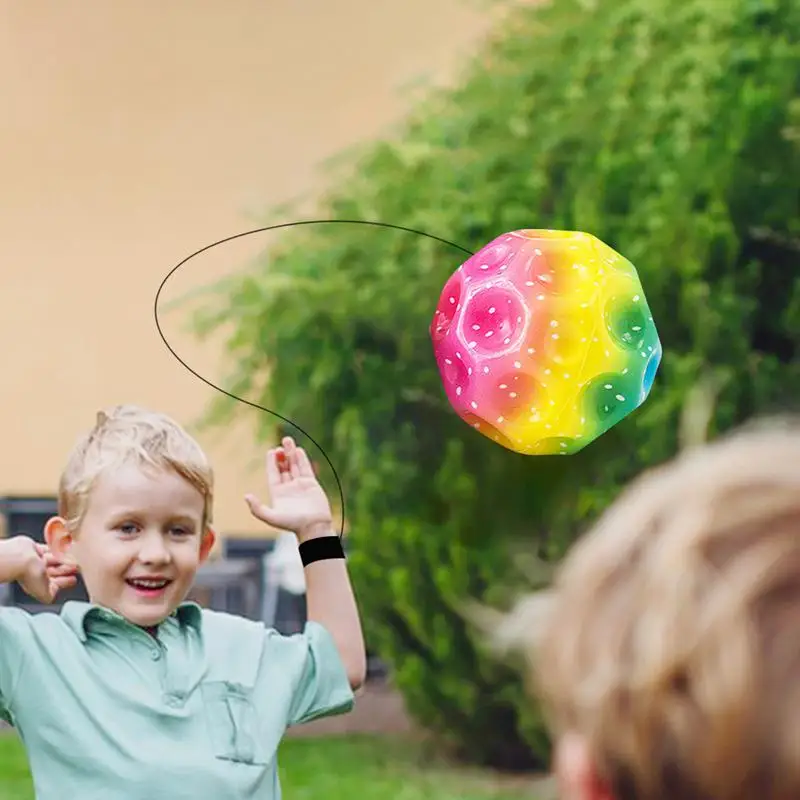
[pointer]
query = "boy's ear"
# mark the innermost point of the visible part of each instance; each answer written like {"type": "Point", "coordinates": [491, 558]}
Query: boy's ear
{"type": "Point", "coordinates": [207, 544]}
{"type": "Point", "coordinates": [58, 537]}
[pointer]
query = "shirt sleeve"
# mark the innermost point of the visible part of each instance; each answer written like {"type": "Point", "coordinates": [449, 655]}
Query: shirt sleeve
{"type": "Point", "coordinates": [322, 687]}
{"type": "Point", "coordinates": [14, 625]}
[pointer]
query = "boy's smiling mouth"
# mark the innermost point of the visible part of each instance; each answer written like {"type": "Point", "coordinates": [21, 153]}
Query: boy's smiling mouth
{"type": "Point", "coordinates": [148, 587]}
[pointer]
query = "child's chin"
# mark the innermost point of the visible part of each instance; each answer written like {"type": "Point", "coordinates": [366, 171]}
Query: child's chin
{"type": "Point", "coordinates": [147, 617]}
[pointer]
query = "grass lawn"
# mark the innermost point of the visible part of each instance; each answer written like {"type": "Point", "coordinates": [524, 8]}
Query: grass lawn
{"type": "Point", "coordinates": [346, 768]}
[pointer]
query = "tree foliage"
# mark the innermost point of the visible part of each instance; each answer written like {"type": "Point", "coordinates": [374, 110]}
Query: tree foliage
{"type": "Point", "coordinates": [669, 130]}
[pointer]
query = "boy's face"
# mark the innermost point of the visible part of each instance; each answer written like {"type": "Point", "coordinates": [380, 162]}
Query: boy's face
{"type": "Point", "coordinates": [139, 544]}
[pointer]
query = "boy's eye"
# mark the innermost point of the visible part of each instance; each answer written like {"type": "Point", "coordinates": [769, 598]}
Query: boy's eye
{"type": "Point", "coordinates": [180, 532]}
{"type": "Point", "coordinates": [127, 528]}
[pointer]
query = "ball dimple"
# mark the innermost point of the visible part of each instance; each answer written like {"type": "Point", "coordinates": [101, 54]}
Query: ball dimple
{"type": "Point", "coordinates": [489, 261]}
{"type": "Point", "coordinates": [455, 373]}
{"type": "Point", "coordinates": [626, 320]}
{"type": "Point", "coordinates": [488, 430]}
{"type": "Point", "coordinates": [650, 373]}
{"type": "Point", "coordinates": [512, 394]}
{"type": "Point", "coordinates": [449, 305]}
{"type": "Point", "coordinates": [494, 319]}
{"type": "Point", "coordinates": [610, 397]}
{"type": "Point", "coordinates": [555, 446]}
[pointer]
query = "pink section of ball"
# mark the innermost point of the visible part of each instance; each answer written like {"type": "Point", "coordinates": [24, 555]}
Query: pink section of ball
{"type": "Point", "coordinates": [486, 325]}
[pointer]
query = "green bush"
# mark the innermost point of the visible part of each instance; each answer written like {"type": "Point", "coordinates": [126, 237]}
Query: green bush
{"type": "Point", "coordinates": [667, 129]}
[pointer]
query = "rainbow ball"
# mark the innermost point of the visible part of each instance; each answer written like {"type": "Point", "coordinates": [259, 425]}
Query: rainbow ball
{"type": "Point", "coordinates": [544, 340]}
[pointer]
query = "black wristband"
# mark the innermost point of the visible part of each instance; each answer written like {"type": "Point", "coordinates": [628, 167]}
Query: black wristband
{"type": "Point", "coordinates": [320, 549]}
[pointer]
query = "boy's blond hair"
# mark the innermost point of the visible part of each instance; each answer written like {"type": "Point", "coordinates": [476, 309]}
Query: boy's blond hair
{"type": "Point", "coordinates": [671, 639]}
{"type": "Point", "coordinates": [126, 434]}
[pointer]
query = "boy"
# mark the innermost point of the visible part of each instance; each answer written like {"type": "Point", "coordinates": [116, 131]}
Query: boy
{"type": "Point", "coordinates": [139, 694]}
{"type": "Point", "coordinates": [668, 654]}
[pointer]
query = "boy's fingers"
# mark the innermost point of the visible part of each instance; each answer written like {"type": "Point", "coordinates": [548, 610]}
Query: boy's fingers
{"type": "Point", "coordinates": [291, 457]}
{"type": "Point", "coordinates": [303, 464]}
{"type": "Point", "coordinates": [273, 470]}
{"type": "Point", "coordinates": [58, 570]}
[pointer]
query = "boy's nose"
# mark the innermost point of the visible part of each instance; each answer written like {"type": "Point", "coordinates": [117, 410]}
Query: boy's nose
{"type": "Point", "coordinates": [154, 550]}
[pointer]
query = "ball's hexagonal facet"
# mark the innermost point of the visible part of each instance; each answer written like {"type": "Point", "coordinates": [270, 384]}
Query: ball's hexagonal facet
{"type": "Point", "coordinates": [544, 340]}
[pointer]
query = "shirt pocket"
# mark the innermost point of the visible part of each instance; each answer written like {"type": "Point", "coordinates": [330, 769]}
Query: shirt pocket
{"type": "Point", "coordinates": [232, 721]}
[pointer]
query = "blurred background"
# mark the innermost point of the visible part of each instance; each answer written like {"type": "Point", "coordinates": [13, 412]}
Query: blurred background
{"type": "Point", "coordinates": [136, 133]}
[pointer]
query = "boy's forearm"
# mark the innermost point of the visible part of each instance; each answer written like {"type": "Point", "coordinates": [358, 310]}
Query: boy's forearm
{"type": "Point", "coordinates": [331, 602]}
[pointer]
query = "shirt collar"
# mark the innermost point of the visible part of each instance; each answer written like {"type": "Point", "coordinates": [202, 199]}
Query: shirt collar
{"type": "Point", "coordinates": [80, 616]}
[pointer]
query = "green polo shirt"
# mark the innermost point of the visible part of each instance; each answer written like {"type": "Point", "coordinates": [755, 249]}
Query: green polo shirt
{"type": "Point", "coordinates": [108, 712]}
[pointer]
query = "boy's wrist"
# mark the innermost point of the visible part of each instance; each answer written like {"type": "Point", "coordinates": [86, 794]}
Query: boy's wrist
{"type": "Point", "coordinates": [316, 531]}
{"type": "Point", "coordinates": [15, 556]}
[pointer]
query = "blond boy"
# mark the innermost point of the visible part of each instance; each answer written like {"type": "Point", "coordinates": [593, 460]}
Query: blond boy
{"type": "Point", "coordinates": [668, 654]}
{"type": "Point", "coordinates": [139, 694]}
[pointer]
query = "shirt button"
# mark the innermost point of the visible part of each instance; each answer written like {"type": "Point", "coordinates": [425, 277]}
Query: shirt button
{"type": "Point", "coordinates": [155, 655]}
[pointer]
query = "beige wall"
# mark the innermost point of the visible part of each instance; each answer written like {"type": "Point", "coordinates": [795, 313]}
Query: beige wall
{"type": "Point", "coordinates": [136, 131]}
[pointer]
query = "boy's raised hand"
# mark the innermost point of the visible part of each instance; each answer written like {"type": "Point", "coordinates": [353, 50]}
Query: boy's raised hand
{"type": "Point", "coordinates": [42, 575]}
{"type": "Point", "coordinates": [299, 503]}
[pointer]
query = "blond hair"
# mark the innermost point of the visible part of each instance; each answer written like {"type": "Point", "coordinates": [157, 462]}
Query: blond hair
{"type": "Point", "coordinates": [671, 638]}
{"type": "Point", "coordinates": [129, 434]}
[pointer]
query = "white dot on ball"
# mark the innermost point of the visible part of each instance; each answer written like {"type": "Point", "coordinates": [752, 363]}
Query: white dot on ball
{"type": "Point", "coordinates": [517, 364]}
{"type": "Point", "coordinates": [553, 323]}
{"type": "Point", "coordinates": [512, 394]}
{"type": "Point", "coordinates": [469, 370]}
{"type": "Point", "coordinates": [555, 336]}
{"type": "Point", "coordinates": [501, 419]}
{"type": "Point", "coordinates": [458, 307]}
{"type": "Point", "coordinates": [531, 350]}
{"type": "Point", "coordinates": [607, 386]}
{"type": "Point", "coordinates": [476, 327]}
{"type": "Point", "coordinates": [519, 319]}
{"type": "Point", "coordinates": [548, 427]}
{"type": "Point", "coordinates": [506, 340]}
{"type": "Point", "coordinates": [458, 391]}
{"type": "Point", "coordinates": [503, 386]}
{"type": "Point", "coordinates": [636, 298]}
{"type": "Point", "coordinates": [473, 345]}
{"type": "Point", "coordinates": [448, 361]}
{"type": "Point", "coordinates": [620, 397]}
{"type": "Point", "coordinates": [540, 297]}
{"type": "Point", "coordinates": [537, 251]}
{"type": "Point", "coordinates": [452, 300]}
{"type": "Point", "coordinates": [474, 404]}
{"type": "Point", "coordinates": [488, 334]}
{"type": "Point", "coordinates": [486, 370]}
{"type": "Point", "coordinates": [458, 355]}
{"type": "Point", "coordinates": [547, 371]}
{"type": "Point", "coordinates": [566, 375]}
{"type": "Point", "coordinates": [492, 310]}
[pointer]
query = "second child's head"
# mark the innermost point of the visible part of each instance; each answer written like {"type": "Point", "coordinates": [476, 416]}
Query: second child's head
{"type": "Point", "coordinates": [135, 509]}
{"type": "Point", "coordinates": [667, 655]}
